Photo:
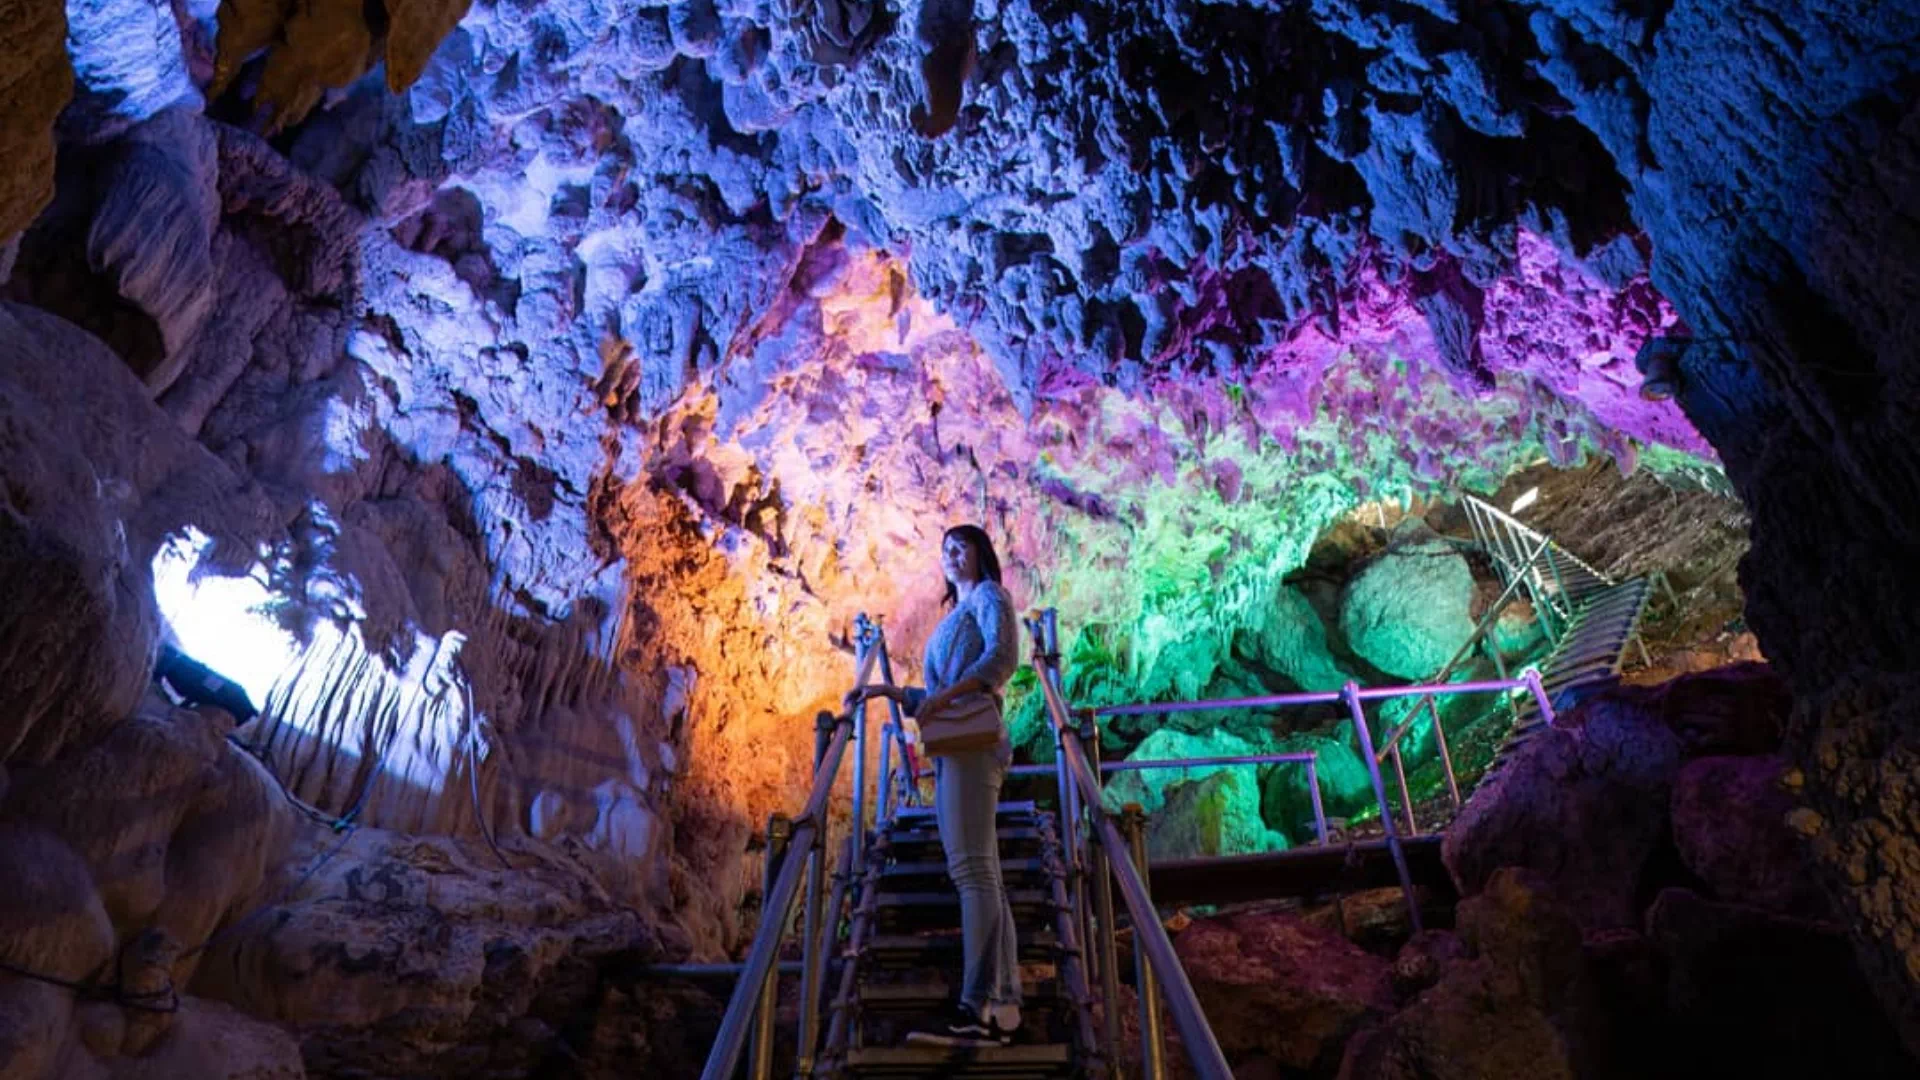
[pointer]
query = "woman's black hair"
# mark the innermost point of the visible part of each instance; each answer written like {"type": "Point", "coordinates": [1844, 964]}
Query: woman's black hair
{"type": "Point", "coordinates": [974, 537]}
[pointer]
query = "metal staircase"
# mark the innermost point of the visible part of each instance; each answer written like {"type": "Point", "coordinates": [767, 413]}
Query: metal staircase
{"type": "Point", "coordinates": [888, 939]}
{"type": "Point", "coordinates": [1590, 619]}
{"type": "Point", "coordinates": [903, 963]}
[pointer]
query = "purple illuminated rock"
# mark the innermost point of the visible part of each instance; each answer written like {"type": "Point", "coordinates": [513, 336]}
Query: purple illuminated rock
{"type": "Point", "coordinates": [1730, 825]}
{"type": "Point", "coordinates": [1520, 1004]}
{"type": "Point", "coordinates": [1270, 982]}
{"type": "Point", "coordinates": [1583, 804]}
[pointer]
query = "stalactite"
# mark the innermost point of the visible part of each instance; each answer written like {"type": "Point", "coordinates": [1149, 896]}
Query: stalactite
{"type": "Point", "coordinates": [348, 732]}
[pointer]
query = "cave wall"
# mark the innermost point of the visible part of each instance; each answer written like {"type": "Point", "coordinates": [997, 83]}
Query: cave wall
{"type": "Point", "coordinates": [1771, 155]}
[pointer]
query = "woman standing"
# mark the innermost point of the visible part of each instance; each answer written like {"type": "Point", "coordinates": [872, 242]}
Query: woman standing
{"type": "Point", "coordinates": [972, 651]}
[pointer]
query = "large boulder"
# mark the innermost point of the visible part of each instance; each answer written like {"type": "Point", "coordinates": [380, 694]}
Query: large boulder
{"type": "Point", "coordinates": [1730, 826]}
{"type": "Point", "coordinates": [1273, 983]}
{"type": "Point", "coordinates": [1345, 785]}
{"type": "Point", "coordinates": [1408, 612]}
{"type": "Point", "coordinates": [93, 477]}
{"type": "Point", "coordinates": [409, 956]}
{"type": "Point", "coordinates": [125, 856]}
{"type": "Point", "coordinates": [1215, 815]}
{"type": "Point", "coordinates": [1289, 639]}
{"type": "Point", "coordinates": [1583, 803]}
{"type": "Point", "coordinates": [1737, 709]}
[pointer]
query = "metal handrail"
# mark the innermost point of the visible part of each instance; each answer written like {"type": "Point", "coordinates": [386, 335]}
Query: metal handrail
{"type": "Point", "coordinates": [1203, 1050]}
{"type": "Point", "coordinates": [1528, 680]}
{"type": "Point", "coordinates": [1504, 518]}
{"type": "Point", "coordinates": [1309, 758]}
{"type": "Point", "coordinates": [775, 912]}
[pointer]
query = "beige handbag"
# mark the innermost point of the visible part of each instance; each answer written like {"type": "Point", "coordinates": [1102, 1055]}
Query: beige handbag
{"type": "Point", "coordinates": [968, 722]}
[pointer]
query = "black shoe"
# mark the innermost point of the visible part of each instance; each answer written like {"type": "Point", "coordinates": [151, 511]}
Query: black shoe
{"type": "Point", "coordinates": [959, 1026]}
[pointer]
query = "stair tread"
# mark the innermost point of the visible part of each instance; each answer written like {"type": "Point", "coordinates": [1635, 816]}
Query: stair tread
{"type": "Point", "coordinates": [1016, 897]}
{"type": "Point", "coordinates": [1039, 943]}
{"type": "Point", "coordinates": [929, 868]}
{"type": "Point", "coordinates": [927, 834]}
{"type": "Point", "coordinates": [908, 1056]}
{"type": "Point", "coordinates": [934, 990]}
{"type": "Point", "coordinates": [926, 813]}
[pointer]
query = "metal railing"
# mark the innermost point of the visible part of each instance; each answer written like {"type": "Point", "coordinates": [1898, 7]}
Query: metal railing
{"type": "Point", "coordinates": [1114, 861]}
{"type": "Point", "coordinates": [1391, 744]}
{"type": "Point", "coordinates": [1098, 850]}
{"type": "Point", "coordinates": [1307, 758]}
{"type": "Point", "coordinates": [1353, 696]}
{"type": "Point", "coordinates": [750, 1007]}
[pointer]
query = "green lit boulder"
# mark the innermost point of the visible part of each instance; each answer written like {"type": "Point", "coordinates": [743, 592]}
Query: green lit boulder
{"type": "Point", "coordinates": [1148, 787]}
{"type": "Point", "coordinates": [1175, 659]}
{"type": "Point", "coordinates": [1286, 803]}
{"type": "Point", "coordinates": [1215, 815]}
{"type": "Point", "coordinates": [1288, 639]}
{"type": "Point", "coordinates": [1407, 613]}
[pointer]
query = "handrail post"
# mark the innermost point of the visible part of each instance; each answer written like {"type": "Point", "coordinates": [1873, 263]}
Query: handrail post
{"type": "Point", "coordinates": [779, 832]}
{"type": "Point", "coordinates": [1097, 879]}
{"type": "Point", "coordinates": [1203, 1049]}
{"type": "Point", "coordinates": [1313, 788]}
{"type": "Point", "coordinates": [1446, 755]}
{"type": "Point", "coordinates": [896, 723]}
{"type": "Point", "coordinates": [1406, 793]}
{"type": "Point", "coordinates": [882, 796]}
{"type": "Point", "coordinates": [813, 950]}
{"type": "Point", "coordinates": [1532, 678]}
{"type": "Point", "coordinates": [1153, 1055]}
{"type": "Point", "coordinates": [1351, 692]}
{"type": "Point", "coordinates": [870, 632]}
{"type": "Point", "coordinates": [1089, 734]}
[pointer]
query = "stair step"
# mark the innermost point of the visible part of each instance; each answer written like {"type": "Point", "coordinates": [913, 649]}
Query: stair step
{"type": "Point", "coordinates": [1025, 867]}
{"type": "Point", "coordinates": [1587, 657]}
{"type": "Point", "coordinates": [928, 992]}
{"type": "Point", "coordinates": [937, 950]}
{"type": "Point", "coordinates": [923, 844]}
{"type": "Point", "coordinates": [1560, 680]}
{"type": "Point", "coordinates": [1612, 597]}
{"type": "Point", "coordinates": [1032, 908]}
{"type": "Point", "coordinates": [1018, 899]}
{"type": "Point", "coordinates": [920, 815]}
{"type": "Point", "coordinates": [1038, 1060]}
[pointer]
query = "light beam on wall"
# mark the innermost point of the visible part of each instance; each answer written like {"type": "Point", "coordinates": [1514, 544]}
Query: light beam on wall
{"type": "Point", "coordinates": [223, 622]}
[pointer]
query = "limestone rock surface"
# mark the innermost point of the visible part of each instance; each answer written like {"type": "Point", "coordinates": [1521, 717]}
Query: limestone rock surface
{"type": "Point", "coordinates": [36, 84]}
{"type": "Point", "coordinates": [1583, 804]}
{"type": "Point", "coordinates": [1730, 824]}
{"type": "Point", "coordinates": [1407, 613]}
{"type": "Point", "coordinates": [1519, 1005]}
{"type": "Point", "coordinates": [1272, 983]}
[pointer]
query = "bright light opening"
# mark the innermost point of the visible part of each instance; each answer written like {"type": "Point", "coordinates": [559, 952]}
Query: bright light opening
{"type": "Point", "coordinates": [1532, 496]}
{"type": "Point", "coordinates": [223, 622]}
{"type": "Point", "coordinates": [326, 688]}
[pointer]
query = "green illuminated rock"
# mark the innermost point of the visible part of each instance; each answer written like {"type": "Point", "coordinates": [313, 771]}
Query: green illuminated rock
{"type": "Point", "coordinates": [1148, 787]}
{"type": "Point", "coordinates": [1407, 613]}
{"type": "Point", "coordinates": [1346, 792]}
{"type": "Point", "coordinates": [1216, 815]}
{"type": "Point", "coordinates": [1291, 641]}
